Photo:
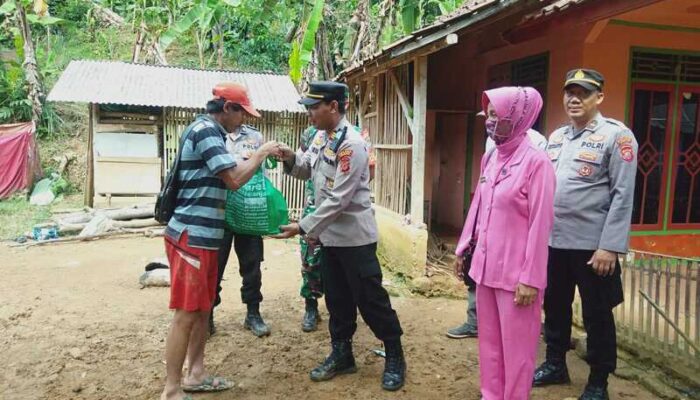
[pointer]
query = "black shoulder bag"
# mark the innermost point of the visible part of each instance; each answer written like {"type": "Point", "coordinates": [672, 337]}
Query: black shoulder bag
{"type": "Point", "coordinates": [167, 198]}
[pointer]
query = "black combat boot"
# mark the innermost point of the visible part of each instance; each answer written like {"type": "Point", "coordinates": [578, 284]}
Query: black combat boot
{"type": "Point", "coordinates": [593, 392]}
{"type": "Point", "coordinates": [597, 386]}
{"type": "Point", "coordinates": [394, 367]}
{"type": "Point", "coordinates": [254, 322]}
{"type": "Point", "coordinates": [340, 361]}
{"type": "Point", "coordinates": [311, 316]}
{"type": "Point", "coordinates": [551, 372]}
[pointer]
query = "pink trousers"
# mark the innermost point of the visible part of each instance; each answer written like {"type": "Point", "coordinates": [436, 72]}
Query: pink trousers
{"type": "Point", "coordinates": [508, 338]}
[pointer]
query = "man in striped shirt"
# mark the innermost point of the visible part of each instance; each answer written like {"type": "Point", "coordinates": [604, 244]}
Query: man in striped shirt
{"type": "Point", "coordinates": [194, 234]}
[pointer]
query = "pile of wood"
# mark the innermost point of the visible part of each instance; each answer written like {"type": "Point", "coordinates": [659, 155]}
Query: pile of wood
{"type": "Point", "coordinates": [89, 224]}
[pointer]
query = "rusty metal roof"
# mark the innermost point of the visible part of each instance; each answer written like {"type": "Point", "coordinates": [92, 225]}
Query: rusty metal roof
{"type": "Point", "coordinates": [113, 82]}
{"type": "Point", "coordinates": [458, 19]}
{"type": "Point", "coordinates": [555, 7]}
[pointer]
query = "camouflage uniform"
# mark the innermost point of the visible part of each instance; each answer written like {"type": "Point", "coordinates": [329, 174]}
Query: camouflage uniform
{"type": "Point", "coordinates": [311, 286]}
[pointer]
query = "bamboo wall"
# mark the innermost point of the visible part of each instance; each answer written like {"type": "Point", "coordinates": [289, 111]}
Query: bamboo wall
{"type": "Point", "coordinates": [379, 109]}
{"type": "Point", "coordinates": [284, 127]}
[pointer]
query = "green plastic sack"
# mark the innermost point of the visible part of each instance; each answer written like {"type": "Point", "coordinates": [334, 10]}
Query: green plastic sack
{"type": "Point", "coordinates": [257, 208]}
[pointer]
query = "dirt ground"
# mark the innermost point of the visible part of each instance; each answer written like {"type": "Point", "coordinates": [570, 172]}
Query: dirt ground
{"type": "Point", "coordinates": [76, 325]}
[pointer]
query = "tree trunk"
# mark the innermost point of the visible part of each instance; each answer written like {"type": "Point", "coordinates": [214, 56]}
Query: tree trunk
{"type": "Point", "coordinates": [31, 71]}
{"type": "Point", "coordinates": [136, 54]}
{"type": "Point", "coordinates": [324, 53]}
{"type": "Point", "coordinates": [104, 15]}
{"type": "Point", "coordinates": [220, 45]}
{"type": "Point", "coordinates": [362, 15]}
{"type": "Point", "coordinates": [385, 13]}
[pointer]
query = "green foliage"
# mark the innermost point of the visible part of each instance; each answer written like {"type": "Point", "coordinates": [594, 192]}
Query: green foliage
{"type": "Point", "coordinates": [14, 105]}
{"type": "Point", "coordinates": [301, 54]}
{"type": "Point", "coordinates": [295, 63]}
{"type": "Point", "coordinates": [17, 216]}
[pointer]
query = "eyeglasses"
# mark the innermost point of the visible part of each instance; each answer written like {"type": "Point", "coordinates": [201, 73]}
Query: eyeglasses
{"type": "Point", "coordinates": [236, 107]}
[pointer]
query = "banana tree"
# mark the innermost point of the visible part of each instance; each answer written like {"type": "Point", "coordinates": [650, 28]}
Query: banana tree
{"type": "Point", "coordinates": [203, 18]}
{"type": "Point", "coordinates": [302, 52]}
{"type": "Point", "coordinates": [17, 10]}
{"type": "Point", "coordinates": [416, 14]}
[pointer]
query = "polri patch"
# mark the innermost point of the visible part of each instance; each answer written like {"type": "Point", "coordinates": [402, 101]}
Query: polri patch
{"type": "Point", "coordinates": [627, 152]}
{"type": "Point", "coordinates": [345, 156]}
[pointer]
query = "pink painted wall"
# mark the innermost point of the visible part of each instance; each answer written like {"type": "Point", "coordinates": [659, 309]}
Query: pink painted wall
{"type": "Point", "coordinates": [458, 74]}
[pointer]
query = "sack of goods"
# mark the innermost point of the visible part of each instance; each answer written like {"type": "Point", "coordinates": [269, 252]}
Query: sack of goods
{"type": "Point", "coordinates": [257, 208]}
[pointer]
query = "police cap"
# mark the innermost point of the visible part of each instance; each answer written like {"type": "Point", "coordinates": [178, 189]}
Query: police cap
{"type": "Point", "coordinates": [589, 79]}
{"type": "Point", "coordinates": [325, 91]}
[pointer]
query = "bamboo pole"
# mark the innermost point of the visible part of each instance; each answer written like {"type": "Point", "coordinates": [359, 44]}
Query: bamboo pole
{"type": "Point", "coordinates": [670, 322]}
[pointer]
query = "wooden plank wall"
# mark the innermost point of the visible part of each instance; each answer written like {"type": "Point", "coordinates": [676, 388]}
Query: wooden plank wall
{"type": "Point", "coordinates": [381, 111]}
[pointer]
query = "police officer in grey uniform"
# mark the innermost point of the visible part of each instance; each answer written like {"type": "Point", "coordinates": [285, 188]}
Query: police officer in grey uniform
{"type": "Point", "coordinates": [595, 159]}
{"type": "Point", "coordinates": [337, 162]}
{"type": "Point", "coordinates": [242, 143]}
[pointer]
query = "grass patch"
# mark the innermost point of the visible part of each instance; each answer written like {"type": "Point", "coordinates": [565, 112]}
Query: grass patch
{"type": "Point", "coordinates": [17, 216]}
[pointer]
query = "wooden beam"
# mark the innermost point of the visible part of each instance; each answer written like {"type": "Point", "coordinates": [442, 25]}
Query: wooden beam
{"type": "Point", "coordinates": [392, 146]}
{"type": "Point", "coordinates": [596, 30]}
{"type": "Point", "coordinates": [126, 128]}
{"type": "Point", "coordinates": [420, 97]}
{"type": "Point", "coordinates": [364, 95]}
{"type": "Point", "coordinates": [585, 13]}
{"type": "Point", "coordinates": [403, 100]}
{"type": "Point", "coordinates": [90, 174]}
{"type": "Point", "coordinates": [379, 93]}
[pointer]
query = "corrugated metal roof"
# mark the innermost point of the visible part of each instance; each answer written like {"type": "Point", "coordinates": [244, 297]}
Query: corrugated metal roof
{"type": "Point", "coordinates": [470, 7]}
{"type": "Point", "coordinates": [113, 82]}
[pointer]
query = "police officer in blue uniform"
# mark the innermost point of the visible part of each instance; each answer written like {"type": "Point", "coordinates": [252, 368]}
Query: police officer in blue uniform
{"type": "Point", "coordinates": [595, 160]}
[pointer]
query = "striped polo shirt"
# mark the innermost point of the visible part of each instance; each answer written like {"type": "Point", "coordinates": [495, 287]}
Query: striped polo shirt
{"type": "Point", "coordinates": [202, 195]}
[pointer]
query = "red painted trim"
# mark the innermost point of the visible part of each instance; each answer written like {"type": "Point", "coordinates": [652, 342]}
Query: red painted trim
{"type": "Point", "coordinates": [667, 146]}
{"type": "Point", "coordinates": [676, 161]}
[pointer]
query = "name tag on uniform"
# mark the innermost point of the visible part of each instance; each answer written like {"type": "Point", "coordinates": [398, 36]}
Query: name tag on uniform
{"type": "Point", "coordinates": [591, 145]}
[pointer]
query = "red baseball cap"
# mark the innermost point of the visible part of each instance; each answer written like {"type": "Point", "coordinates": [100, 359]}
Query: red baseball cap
{"type": "Point", "coordinates": [235, 93]}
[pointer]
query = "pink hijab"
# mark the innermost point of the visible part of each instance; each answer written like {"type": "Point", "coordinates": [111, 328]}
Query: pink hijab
{"type": "Point", "coordinates": [522, 105]}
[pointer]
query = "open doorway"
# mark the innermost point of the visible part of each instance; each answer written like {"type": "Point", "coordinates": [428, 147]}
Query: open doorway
{"type": "Point", "coordinates": [450, 172]}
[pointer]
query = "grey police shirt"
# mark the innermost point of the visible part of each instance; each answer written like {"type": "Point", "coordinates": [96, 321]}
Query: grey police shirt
{"type": "Point", "coordinates": [338, 164]}
{"type": "Point", "coordinates": [595, 169]}
{"type": "Point", "coordinates": [242, 143]}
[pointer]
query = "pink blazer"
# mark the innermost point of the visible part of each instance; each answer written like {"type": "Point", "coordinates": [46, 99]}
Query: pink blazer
{"type": "Point", "coordinates": [516, 194]}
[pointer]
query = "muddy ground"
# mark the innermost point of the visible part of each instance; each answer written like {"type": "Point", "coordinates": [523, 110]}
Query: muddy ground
{"type": "Point", "coordinates": [76, 325]}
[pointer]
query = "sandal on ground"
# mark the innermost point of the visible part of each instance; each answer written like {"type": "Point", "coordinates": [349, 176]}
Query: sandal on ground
{"type": "Point", "coordinates": [209, 384]}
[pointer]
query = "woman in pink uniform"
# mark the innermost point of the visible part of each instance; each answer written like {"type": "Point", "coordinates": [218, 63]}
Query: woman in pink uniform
{"type": "Point", "coordinates": [511, 218]}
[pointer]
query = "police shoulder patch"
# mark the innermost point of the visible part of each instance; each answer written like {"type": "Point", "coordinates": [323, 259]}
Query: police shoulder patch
{"type": "Point", "coordinates": [345, 156]}
{"type": "Point", "coordinates": [627, 152]}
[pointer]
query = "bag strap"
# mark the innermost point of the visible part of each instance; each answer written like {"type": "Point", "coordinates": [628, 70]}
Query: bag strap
{"type": "Point", "coordinates": [478, 206]}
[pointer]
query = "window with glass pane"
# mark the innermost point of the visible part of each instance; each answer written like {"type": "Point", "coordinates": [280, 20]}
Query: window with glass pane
{"type": "Point", "coordinates": [649, 124]}
{"type": "Point", "coordinates": [687, 185]}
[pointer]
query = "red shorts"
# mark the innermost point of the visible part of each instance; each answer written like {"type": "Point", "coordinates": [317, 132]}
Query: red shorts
{"type": "Point", "coordinates": [192, 275]}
